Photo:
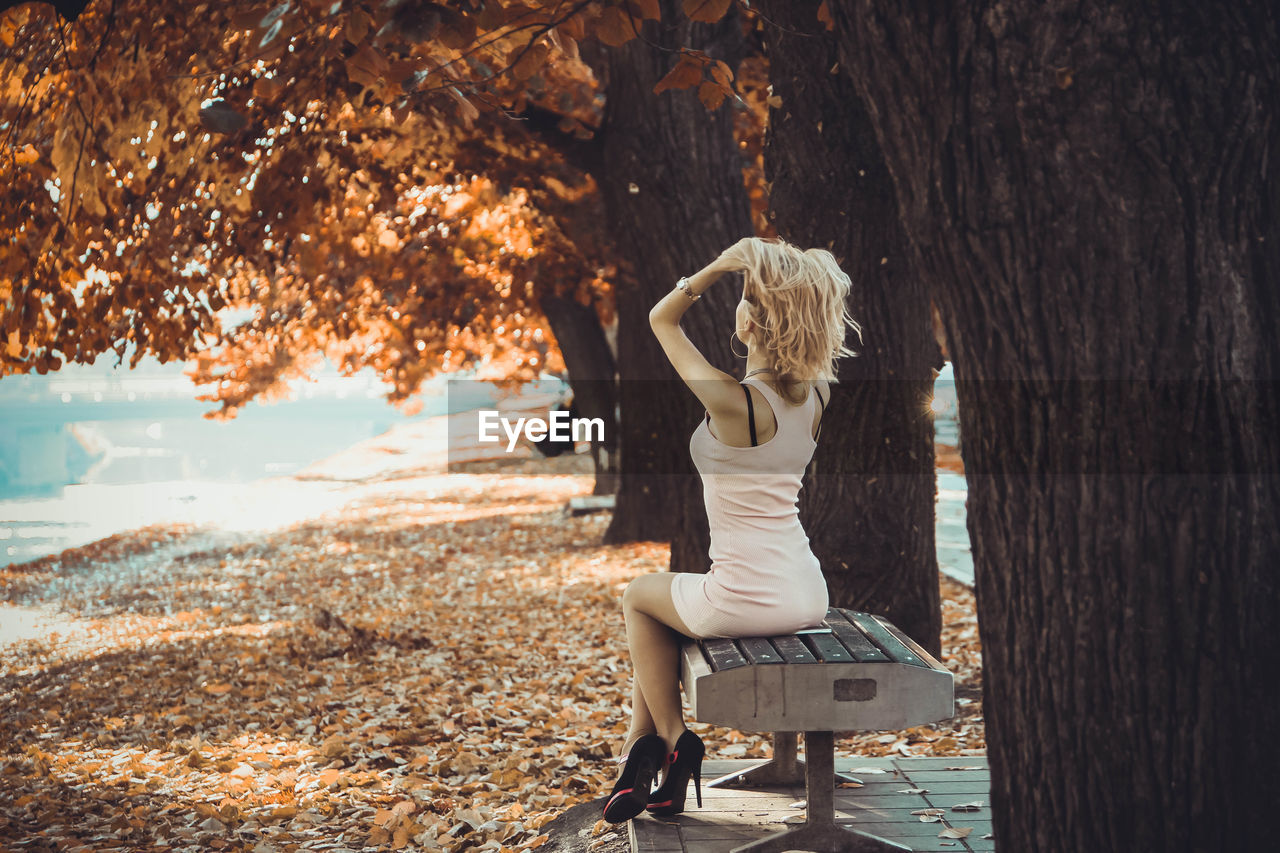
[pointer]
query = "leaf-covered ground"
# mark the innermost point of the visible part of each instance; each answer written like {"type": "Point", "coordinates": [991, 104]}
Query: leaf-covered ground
{"type": "Point", "coordinates": [438, 666]}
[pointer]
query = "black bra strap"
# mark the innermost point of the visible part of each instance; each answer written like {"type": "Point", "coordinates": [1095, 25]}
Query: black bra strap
{"type": "Point", "coordinates": [751, 413]}
{"type": "Point", "coordinates": [820, 414]}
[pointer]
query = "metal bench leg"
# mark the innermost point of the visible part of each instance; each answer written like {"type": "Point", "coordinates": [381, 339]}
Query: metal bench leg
{"type": "Point", "coordinates": [783, 769]}
{"type": "Point", "coordinates": [820, 830]}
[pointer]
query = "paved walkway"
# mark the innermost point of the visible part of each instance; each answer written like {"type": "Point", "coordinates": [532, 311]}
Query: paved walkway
{"type": "Point", "coordinates": [892, 789]}
{"type": "Point", "coordinates": [955, 558]}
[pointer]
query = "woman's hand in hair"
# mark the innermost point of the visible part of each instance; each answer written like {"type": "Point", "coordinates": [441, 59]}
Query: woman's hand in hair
{"type": "Point", "coordinates": [738, 257]}
{"type": "Point", "coordinates": [729, 261]}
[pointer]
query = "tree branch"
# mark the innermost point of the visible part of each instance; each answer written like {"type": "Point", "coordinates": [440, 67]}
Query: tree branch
{"type": "Point", "coordinates": [584, 154]}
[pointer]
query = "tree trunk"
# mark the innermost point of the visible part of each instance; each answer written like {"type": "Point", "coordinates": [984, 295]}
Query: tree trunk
{"type": "Point", "coordinates": [868, 503]}
{"type": "Point", "coordinates": [673, 192]}
{"type": "Point", "coordinates": [1093, 191]}
{"type": "Point", "coordinates": [592, 371]}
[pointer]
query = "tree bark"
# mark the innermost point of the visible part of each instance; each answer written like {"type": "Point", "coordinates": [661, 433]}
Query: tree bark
{"type": "Point", "coordinates": [674, 197]}
{"type": "Point", "coordinates": [592, 372]}
{"type": "Point", "coordinates": [1093, 188]}
{"type": "Point", "coordinates": [868, 502]}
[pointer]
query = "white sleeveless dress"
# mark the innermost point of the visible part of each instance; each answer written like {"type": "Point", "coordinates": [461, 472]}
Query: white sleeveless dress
{"type": "Point", "coordinates": [764, 579]}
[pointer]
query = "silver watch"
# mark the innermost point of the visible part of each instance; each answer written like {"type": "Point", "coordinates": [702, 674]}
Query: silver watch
{"type": "Point", "coordinates": [683, 284]}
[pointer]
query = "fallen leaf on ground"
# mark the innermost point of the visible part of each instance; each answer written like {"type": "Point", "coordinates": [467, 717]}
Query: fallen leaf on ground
{"type": "Point", "coordinates": [363, 674]}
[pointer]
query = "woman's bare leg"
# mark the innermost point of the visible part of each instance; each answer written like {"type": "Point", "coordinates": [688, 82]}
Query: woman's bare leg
{"type": "Point", "coordinates": [654, 630]}
{"type": "Point", "coordinates": [641, 719]}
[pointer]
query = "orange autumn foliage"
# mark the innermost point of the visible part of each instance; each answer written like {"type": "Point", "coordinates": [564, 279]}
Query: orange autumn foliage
{"type": "Point", "coordinates": [292, 180]}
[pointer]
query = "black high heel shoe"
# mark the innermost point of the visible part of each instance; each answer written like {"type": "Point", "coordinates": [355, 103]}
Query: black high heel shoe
{"type": "Point", "coordinates": [631, 791]}
{"type": "Point", "coordinates": [686, 761]}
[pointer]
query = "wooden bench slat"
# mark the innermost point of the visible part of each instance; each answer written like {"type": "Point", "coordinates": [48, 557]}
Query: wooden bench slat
{"type": "Point", "coordinates": [851, 636]}
{"type": "Point", "coordinates": [759, 650]}
{"type": "Point", "coordinates": [723, 654]}
{"type": "Point", "coordinates": [915, 647]}
{"type": "Point", "coordinates": [882, 637]}
{"type": "Point", "coordinates": [793, 649]}
{"type": "Point", "coordinates": [827, 648]}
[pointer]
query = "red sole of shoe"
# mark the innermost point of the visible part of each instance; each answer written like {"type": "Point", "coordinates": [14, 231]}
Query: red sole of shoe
{"type": "Point", "coordinates": [624, 806]}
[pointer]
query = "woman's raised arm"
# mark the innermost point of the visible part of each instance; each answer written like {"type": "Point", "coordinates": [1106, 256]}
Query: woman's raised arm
{"type": "Point", "coordinates": [712, 386]}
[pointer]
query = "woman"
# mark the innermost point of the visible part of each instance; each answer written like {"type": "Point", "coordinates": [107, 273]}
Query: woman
{"type": "Point", "coordinates": [751, 451]}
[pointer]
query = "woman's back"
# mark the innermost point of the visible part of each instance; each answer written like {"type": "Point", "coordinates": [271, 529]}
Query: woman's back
{"type": "Point", "coordinates": [735, 431]}
{"type": "Point", "coordinates": [786, 449]}
{"type": "Point", "coordinates": [763, 574]}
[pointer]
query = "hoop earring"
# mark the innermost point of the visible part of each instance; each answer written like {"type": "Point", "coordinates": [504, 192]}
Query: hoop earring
{"type": "Point", "coordinates": [734, 335]}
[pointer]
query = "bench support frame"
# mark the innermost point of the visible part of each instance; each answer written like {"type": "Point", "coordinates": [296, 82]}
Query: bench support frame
{"type": "Point", "coordinates": [820, 830]}
{"type": "Point", "coordinates": [783, 769]}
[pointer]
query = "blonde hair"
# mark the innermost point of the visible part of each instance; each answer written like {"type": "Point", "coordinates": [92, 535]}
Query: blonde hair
{"type": "Point", "coordinates": [797, 302]}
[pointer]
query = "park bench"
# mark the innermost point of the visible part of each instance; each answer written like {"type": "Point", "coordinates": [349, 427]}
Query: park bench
{"type": "Point", "coordinates": [855, 671]}
{"type": "Point", "coordinates": [584, 504]}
